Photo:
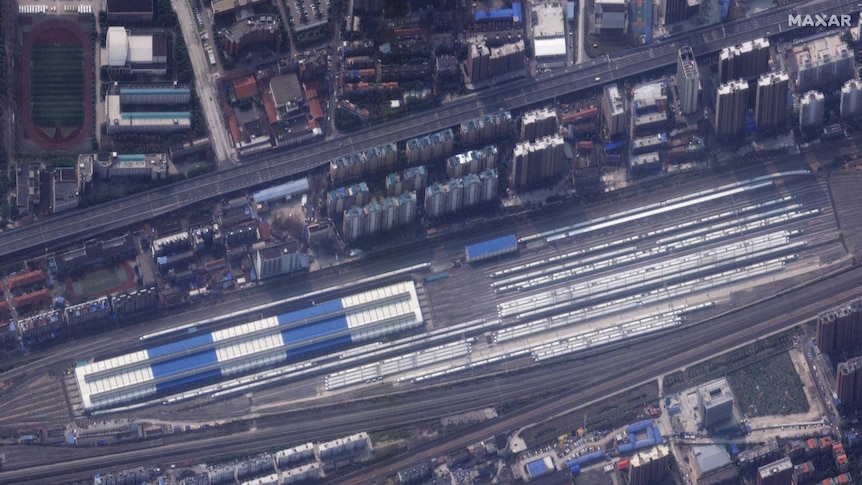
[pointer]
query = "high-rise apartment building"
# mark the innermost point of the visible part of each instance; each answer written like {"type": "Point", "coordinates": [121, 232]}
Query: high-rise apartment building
{"type": "Point", "coordinates": [687, 80]}
{"type": "Point", "coordinates": [538, 161]}
{"type": "Point", "coordinates": [770, 108]}
{"type": "Point", "coordinates": [731, 107]}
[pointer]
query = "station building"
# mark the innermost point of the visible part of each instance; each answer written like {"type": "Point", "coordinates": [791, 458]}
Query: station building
{"type": "Point", "coordinates": [241, 349]}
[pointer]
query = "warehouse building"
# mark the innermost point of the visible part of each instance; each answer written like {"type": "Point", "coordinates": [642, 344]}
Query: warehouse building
{"type": "Point", "coordinates": [126, 53]}
{"type": "Point", "coordinates": [153, 95]}
{"type": "Point", "coordinates": [549, 34]}
{"type": "Point", "coordinates": [119, 121]}
{"type": "Point", "coordinates": [244, 348]}
{"type": "Point", "coordinates": [120, 11]}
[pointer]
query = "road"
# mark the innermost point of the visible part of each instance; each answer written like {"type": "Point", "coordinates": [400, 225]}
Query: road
{"type": "Point", "coordinates": [219, 137]}
{"type": "Point", "coordinates": [585, 379]}
{"type": "Point", "coordinates": [78, 225]}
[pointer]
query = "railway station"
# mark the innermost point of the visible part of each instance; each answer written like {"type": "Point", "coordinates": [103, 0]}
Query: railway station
{"type": "Point", "coordinates": [248, 347]}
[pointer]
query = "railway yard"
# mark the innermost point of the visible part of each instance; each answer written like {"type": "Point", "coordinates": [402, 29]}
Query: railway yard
{"type": "Point", "coordinates": [578, 294]}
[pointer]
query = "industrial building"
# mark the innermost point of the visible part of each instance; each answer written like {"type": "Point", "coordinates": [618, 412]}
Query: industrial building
{"type": "Point", "coordinates": [361, 163]}
{"type": "Point", "coordinates": [745, 61]}
{"type": "Point", "coordinates": [119, 121]}
{"type": "Point", "coordinates": [120, 11]}
{"type": "Point", "coordinates": [840, 328]}
{"type": "Point", "coordinates": [278, 260]}
{"type": "Point", "coordinates": [537, 162]}
{"type": "Point", "coordinates": [486, 128]}
{"type": "Point", "coordinates": [811, 109]}
{"type": "Point", "coordinates": [539, 123]}
{"type": "Point", "coordinates": [731, 106]}
{"type": "Point", "coordinates": [259, 29]}
{"type": "Point", "coordinates": [412, 179]}
{"type": "Point", "coordinates": [126, 53]}
{"type": "Point", "coordinates": [491, 248]}
{"type": "Point", "coordinates": [822, 61]}
{"type": "Point", "coordinates": [614, 110]}
{"type": "Point", "coordinates": [281, 191]}
{"type": "Point", "coordinates": [243, 348]}
{"type": "Point", "coordinates": [473, 161]}
{"type": "Point", "coordinates": [776, 473]}
{"type": "Point", "coordinates": [687, 80]}
{"type": "Point", "coordinates": [770, 108]}
{"type": "Point", "coordinates": [549, 34]}
{"type": "Point", "coordinates": [108, 165]}
{"type": "Point", "coordinates": [462, 192]}
{"type": "Point", "coordinates": [711, 460]}
{"type": "Point", "coordinates": [848, 381]}
{"type": "Point", "coordinates": [673, 11]}
{"type": "Point", "coordinates": [851, 99]}
{"type": "Point", "coordinates": [513, 14]}
{"type": "Point", "coordinates": [716, 402]}
{"type": "Point", "coordinates": [379, 216]}
{"type": "Point", "coordinates": [429, 147]}
{"type": "Point", "coordinates": [153, 94]}
{"type": "Point", "coordinates": [610, 17]}
{"type": "Point", "coordinates": [648, 466]}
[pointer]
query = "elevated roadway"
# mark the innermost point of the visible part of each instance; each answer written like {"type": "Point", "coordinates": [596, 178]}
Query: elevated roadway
{"type": "Point", "coordinates": [86, 223]}
{"type": "Point", "coordinates": [601, 376]}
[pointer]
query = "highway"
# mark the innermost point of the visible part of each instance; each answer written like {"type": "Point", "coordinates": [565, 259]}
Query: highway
{"type": "Point", "coordinates": [86, 223]}
{"type": "Point", "coordinates": [585, 379]}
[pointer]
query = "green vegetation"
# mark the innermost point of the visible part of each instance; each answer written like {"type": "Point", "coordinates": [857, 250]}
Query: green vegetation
{"type": "Point", "coordinates": [610, 413]}
{"type": "Point", "coordinates": [316, 35]}
{"type": "Point", "coordinates": [57, 85]}
{"type": "Point", "coordinates": [727, 363]}
{"type": "Point", "coordinates": [769, 387]}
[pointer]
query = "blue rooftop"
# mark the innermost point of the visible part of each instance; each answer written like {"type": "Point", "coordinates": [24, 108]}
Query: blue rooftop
{"type": "Point", "coordinates": [156, 115]}
{"type": "Point", "coordinates": [537, 467]}
{"type": "Point", "coordinates": [155, 91]}
{"type": "Point", "coordinates": [493, 247]}
{"type": "Point", "coordinates": [131, 158]}
{"type": "Point", "coordinates": [313, 311]}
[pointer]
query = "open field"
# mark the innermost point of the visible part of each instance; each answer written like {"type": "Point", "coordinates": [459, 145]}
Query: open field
{"type": "Point", "coordinates": [727, 363]}
{"type": "Point", "coordinates": [103, 282]}
{"type": "Point", "coordinates": [769, 387]}
{"type": "Point", "coordinates": [57, 85]}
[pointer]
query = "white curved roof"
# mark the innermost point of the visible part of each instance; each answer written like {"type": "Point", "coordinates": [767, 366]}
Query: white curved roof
{"type": "Point", "coordinates": [118, 46]}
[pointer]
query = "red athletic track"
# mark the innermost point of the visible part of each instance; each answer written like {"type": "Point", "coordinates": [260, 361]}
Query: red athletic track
{"type": "Point", "coordinates": [54, 32]}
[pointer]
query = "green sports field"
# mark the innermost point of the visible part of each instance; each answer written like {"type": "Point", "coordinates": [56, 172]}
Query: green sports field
{"type": "Point", "coordinates": [57, 85]}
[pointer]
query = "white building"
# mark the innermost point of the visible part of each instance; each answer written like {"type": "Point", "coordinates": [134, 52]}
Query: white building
{"type": "Point", "coordinates": [822, 61]}
{"type": "Point", "coordinates": [549, 34]}
{"type": "Point", "coordinates": [811, 109]}
{"type": "Point", "coordinates": [278, 260]}
{"type": "Point", "coordinates": [614, 110]}
{"type": "Point", "coordinates": [132, 54]}
{"type": "Point", "coordinates": [851, 98]}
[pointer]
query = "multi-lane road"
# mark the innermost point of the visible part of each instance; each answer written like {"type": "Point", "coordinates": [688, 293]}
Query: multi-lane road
{"type": "Point", "coordinates": [90, 222]}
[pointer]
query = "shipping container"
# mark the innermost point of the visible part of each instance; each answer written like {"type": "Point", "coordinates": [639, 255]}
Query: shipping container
{"type": "Point", "coordinates": [436, 277]}
{"type": "Point", "coordinates": [623, 464]}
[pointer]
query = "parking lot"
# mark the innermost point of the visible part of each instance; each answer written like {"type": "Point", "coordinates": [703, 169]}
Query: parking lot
{"type": "Point", "coordinates": [307, 14]}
